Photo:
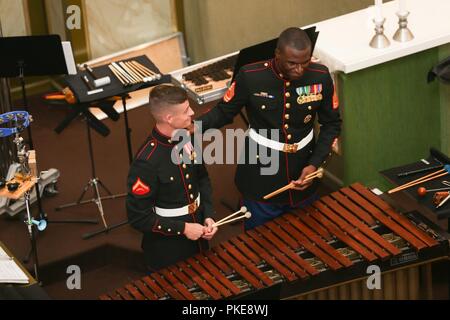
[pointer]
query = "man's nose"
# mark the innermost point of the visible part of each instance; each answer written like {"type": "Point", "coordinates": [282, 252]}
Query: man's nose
{"type": "Point", "coordinates": [298, 68]}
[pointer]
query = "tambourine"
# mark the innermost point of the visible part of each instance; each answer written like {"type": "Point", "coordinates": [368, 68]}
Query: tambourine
{"type": "Point", "coordinates": [21, 119]}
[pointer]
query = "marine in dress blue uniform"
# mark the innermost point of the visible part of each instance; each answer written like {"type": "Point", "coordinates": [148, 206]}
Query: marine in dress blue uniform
{"type": "Point", "coordinates": [286, 93]}
{"type": "Point", "coordinates": [164, 196]}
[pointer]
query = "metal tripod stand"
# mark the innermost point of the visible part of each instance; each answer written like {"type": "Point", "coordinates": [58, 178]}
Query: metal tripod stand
{"type": "Point", "coordinates": [30, 222]}
{"type": "Point", "coordinates": [95, 183]}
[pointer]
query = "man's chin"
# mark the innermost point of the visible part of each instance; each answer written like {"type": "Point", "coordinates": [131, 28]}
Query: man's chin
{"type": "Point", "coordinates": [295, 76]}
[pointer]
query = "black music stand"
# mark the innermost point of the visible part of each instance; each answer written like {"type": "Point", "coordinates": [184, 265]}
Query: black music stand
{"type": "Point", "coordinates": [94, 182]}
{"type": "Point", "coordinates": [31, 56]}
{"type": "Point", "coordinates": [86, 99]}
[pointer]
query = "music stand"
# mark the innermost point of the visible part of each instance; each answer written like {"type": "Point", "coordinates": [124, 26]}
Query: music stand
{"type": "Point", "coordinates": [94, 182]}
{"type": "Point", "coordinates": [34, 56]}
{"type": "Point", "coordinates": [31, 56]}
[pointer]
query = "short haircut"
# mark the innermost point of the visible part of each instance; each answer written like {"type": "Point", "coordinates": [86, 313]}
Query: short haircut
{"type": "Point", "coordinates": [294, 38]}
{"type": "Point", "coordinates": [163, 96]}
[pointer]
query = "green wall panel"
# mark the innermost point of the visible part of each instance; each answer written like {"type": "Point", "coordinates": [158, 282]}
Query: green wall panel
{"type": "Point", "coordinates": [444, 52]}
{"type": "Point", "coordinates": [391, 117]}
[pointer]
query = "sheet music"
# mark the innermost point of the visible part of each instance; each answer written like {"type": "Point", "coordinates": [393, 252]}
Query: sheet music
{"type": "Point", "coordinates": [10, 272]}
{"type": "Point", "coordinates": [3, 253]}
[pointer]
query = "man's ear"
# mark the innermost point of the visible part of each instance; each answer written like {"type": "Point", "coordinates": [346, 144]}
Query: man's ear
{"type": "Point", "coordinates": [310, 53]}
{"type": "Point", "coordinates": [168, 118]}
{"type": "Point", "coordinates": [277, 52]}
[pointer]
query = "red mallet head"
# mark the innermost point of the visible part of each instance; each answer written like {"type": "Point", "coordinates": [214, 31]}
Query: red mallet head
{"type": "Point", "coordinates": [422, 192]}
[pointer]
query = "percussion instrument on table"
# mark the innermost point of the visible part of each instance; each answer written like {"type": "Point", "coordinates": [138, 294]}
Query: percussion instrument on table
{"type": "Point", "coordinates": [207, 81]}
{"type": "Point", "coordinates": [320, 252]}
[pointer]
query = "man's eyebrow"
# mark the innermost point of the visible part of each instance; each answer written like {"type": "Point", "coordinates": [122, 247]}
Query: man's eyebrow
{"type": "Point", "coordinates": [303, 62]}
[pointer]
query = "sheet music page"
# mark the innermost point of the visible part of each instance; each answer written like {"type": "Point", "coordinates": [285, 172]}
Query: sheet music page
{"type": "Point", "coordinates": [68, 55]}
{"type": "Point", "coordinates": [3, 253]}
{"type": "Point", "coordinates": [10, 272]}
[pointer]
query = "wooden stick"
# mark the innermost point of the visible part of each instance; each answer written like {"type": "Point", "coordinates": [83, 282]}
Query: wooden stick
{"type": "Point", "coordinates": [117, 73]}
{"type": "Point", "coordinates": [128, 74]}
{"type": "Point", "coordinates": [147, 74]}
{"type": "Point", "coordinates": [320, 170]}
{"type": "Point", "coordinates": [145, 68]}
{"type": "Point", "coordinates": [139, 66]}
{"type": "Point", "coordinates": [243, 210]}
{"type": "Point", "coordinates": [313, 175]}
{"type": "Point", "coordinates": [273, 194]}
{"type": "Point", "coordinates": [246, 215]}
{"type": "Point", "coordinates": [140, 73]}
{"type": "Point", "coordinates": [118, 76]}
{"type": "Point", "coordinates": [317, 175]}
{"type": "Point", "coordinates": [416, 183]}
{"type": "Point", "coordinates": [443, 201]}
{"type": "Point", "coordinates": [131, 72]}
{"type": "Point", "coordinates": [152, 73]}
{"type": "Point", "coordinates": [122, 72]}
{"type": "Point", "coordinates": [424, 177]}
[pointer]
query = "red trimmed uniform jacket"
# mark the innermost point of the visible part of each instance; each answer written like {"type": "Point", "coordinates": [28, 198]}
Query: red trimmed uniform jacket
{"type": "Point", "coordinates": [155, 180]}
{"type": "Point", "coordinates": [271, 102]}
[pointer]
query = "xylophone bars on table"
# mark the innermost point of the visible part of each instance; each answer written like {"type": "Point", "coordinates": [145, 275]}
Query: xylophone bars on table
{"type": "Point", "coordinates": [338, 232]}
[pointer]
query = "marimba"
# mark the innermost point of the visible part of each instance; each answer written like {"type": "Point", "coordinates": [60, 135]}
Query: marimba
{"type": "Point", "coordinates": [321, 252]}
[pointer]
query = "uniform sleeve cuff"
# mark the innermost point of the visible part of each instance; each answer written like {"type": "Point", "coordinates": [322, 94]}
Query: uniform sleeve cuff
{"type": "Point", "coordinates": [170, 229]}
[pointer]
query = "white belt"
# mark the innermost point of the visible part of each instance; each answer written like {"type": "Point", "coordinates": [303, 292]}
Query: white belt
{"type": "Point", "coordinates": [285, 147]}
{"type": "Point", "coordinates": [177, 212]}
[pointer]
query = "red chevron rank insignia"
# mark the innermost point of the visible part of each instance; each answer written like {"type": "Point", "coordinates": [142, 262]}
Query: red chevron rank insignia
{"type": "Point", "coordinates": [230, 93]}
{"type": "Point", "coordinates": [139, 188]}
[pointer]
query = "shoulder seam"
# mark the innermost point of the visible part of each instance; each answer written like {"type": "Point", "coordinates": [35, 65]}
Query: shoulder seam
{"type": "Point", "coordinates": [151, 153]}
{"type": "Point", "coordinates": [255, 70]}
{"type": "Point", "coordinates": [145, 147]}
{"type": "Point", "coordinates": [252, 63]}
{"type": "Point", "coordinates": [317, 67]}
{"type": "Point", "coordinates": [259, 68]}
{"type": "Point", "coordinates": [318, 64]}
{"type": "Point", "coordinates": [316, 70]}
